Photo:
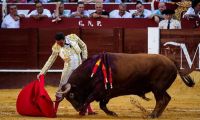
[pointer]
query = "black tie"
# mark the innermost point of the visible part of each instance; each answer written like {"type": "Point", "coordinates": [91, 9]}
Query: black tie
{"type": "Point", "coordinates": [68, 44]}
{"type": "Point", "coordinates": [168, 25]}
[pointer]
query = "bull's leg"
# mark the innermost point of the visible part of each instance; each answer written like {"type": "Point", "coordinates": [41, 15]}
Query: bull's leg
{"type": "Point", "coordinates": [162, 99]}
{"type": "Point", "coordinates": [90, 99]}
{"type": "Point", "coordinates": [103, 106]}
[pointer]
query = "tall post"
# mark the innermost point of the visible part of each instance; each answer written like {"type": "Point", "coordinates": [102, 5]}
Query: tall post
{"type": "Point", "coordinates": [4, 9]}
{"type": "Point", "coordinates": [152, 5]}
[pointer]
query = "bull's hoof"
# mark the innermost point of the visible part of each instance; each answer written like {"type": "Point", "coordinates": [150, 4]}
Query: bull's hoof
{"type": "Point", "coordinates": [92, 113]}
{"type": "Point", "coordinates": [81, 113]}
{"type": "Point", "coordinates": [112, 114]}
{"type": "Point", "coordinates": [152, 115]}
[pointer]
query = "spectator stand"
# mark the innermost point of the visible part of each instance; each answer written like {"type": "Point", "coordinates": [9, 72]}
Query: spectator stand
{"type": "Point", "coordinates": [72, 6]}
{"type": "Point", "coordinates": [108, 7]}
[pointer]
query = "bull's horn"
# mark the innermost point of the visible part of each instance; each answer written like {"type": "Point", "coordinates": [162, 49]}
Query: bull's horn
{"type": "Point", "coordinates": [68, 87]}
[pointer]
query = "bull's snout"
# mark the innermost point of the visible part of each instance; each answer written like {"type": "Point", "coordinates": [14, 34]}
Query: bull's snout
{"type": "Point", "coordinates": [78, 107]}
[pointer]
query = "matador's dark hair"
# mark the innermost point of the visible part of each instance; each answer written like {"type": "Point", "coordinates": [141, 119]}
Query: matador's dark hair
{"type": "Point", "coordinates": [59, 36]}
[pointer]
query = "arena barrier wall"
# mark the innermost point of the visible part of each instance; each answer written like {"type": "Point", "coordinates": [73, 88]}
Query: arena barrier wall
{"type": "Point", "coordinates": [25, 51]}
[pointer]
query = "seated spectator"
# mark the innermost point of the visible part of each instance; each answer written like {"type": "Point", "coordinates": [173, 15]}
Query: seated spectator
{"type": "Point", "coordinates": [113, 1]}
{"type": "Point", "coordinates": [12, 19]}
{"type": "Point", "coordinates": [169, 22]}
{"type": "Point", "coordinates": [120, 13]}
{"type": "Point", "coordinates": [40, 12]}
{"type": "Point", "coordinates": [157, 14]}
{"type": "Point", "coordinates": [141, 12]}
{"type": "Point", "coordinates": [60, 11]}
{"type": "Point", "coordinates": [99, 13]}
{"type": "Point", "coordinates": [80, 12]}
{"type": "Point", "coordinates": [194, 11]}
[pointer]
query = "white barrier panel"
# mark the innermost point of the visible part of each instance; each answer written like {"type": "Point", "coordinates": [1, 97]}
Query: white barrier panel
{"type": "Point", "coordinates": [153, 40]}
{"type": "Point", "coordinates": [26, 70]}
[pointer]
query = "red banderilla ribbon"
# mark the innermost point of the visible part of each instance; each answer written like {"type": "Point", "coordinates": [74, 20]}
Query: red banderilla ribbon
{"type": "Point", "coordinates": [110, 78]}
{"type": "Point", "coordinates": [95, 67]}
{"type": "Point", "coordinates": [105, 75]}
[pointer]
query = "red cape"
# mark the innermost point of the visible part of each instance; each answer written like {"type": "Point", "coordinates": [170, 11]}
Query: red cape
{"type": "Point", "coordinates": [33, 100]}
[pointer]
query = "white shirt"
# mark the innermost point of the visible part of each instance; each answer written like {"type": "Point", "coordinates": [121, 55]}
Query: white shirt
{"type": "Point", "coordinates": [45, 12]}
{"type": "Point", "coordinates": [115, 14]}
{"type": "Point", "coordinates": [174, 24]}
{"type": "Point", "coordinates": [44, 1]}
{"type": "Point", "coordinates": [9, 22]}
{"type": "Point", "coordinates": [191, 11]}
{"type": "Point", "coordinates": [146, 14]}
{"type": "Point", "coordinates": [116, 1]}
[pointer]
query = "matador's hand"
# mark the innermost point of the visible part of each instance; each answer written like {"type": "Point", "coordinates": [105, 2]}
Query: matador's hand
{"type": "Point", "coordinates": [38, 76]}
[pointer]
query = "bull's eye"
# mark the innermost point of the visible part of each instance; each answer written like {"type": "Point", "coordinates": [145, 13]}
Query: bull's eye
{"type": "Point", "coordinates": [71, 95]}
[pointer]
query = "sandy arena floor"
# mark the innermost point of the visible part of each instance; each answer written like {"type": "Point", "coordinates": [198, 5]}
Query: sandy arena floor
{"type": "Point", "coordinates": [184, 105]}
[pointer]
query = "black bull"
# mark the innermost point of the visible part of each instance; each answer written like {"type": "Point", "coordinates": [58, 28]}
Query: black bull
{"type": "Point", "coordinates": [133, 74]}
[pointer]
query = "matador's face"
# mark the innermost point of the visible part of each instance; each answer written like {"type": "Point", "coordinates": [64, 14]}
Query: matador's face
{"type": "Point", "coordinates": [60, 42]}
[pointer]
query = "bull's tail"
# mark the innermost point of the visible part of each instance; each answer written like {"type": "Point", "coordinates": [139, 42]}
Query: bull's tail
{"type": "Point", "coordinates": [186, 78]}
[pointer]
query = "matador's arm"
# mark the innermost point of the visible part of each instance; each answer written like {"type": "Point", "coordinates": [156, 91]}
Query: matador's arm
{"type": "Point", "coordinates": [52, 58]}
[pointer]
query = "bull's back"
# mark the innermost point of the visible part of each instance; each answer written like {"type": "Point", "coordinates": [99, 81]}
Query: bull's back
{"type": "Point", "coordinates": [137, 66]}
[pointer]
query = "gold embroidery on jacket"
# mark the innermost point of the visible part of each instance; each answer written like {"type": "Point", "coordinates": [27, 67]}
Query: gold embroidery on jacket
{"type": "Point", "coordinates": [182, 7]}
